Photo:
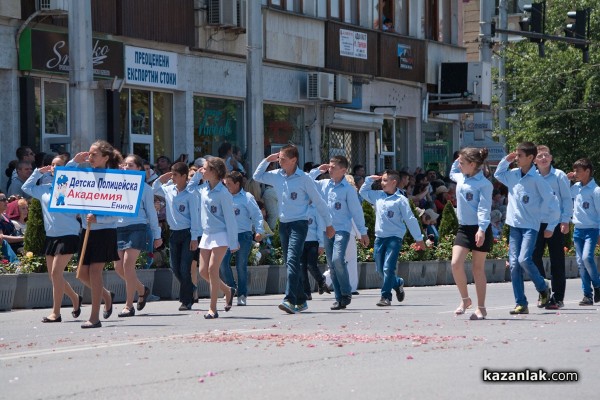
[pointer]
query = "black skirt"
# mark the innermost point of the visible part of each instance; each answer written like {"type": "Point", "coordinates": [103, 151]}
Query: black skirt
{"type": "Point", "coordinates": [101, 246]}
{"type": "Point", "coordinates": [465, 237]}
{"type": "Point", "coordinates": [56, 246]}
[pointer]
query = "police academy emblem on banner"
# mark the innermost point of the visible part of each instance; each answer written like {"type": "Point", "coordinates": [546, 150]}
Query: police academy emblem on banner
{"type": "Point", "coordinates": [97, 191]}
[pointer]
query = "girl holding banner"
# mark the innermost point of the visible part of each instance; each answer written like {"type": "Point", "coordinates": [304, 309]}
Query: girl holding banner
{"type": "Point", "coordinates": [62, 238]}
{"type": "Point", "coordinates": [131, 240]}
{"type": "Point", "coordinates": [102, 236]}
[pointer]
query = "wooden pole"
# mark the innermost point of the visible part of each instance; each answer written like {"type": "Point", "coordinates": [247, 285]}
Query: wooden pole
{"type": "Point", "coordinates": [83, 248]}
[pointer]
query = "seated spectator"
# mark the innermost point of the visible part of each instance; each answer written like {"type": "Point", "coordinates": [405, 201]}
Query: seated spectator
{"type": "Point", "coordinates": [7, 229]}
{"type": "Point", "coordinates": [428, 220]}
{"type": "Point", "coordinates": [18, 211]}
{"type": "Point", "coordinates": [496, 223]}
{"type": "Point", "coordinates": [441, 198]}
{"type": "Point", "coordinates": [7, 251]}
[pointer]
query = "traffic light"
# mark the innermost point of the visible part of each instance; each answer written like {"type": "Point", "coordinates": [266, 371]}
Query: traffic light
{"type": "Point", "coordinates": [578, 29]}
{"type": "Point", "coordinates": [536, 21]}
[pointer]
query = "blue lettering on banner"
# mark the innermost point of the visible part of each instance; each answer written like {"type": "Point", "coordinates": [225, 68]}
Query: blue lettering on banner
{"type": "Point", "coordinates": [151, 59]}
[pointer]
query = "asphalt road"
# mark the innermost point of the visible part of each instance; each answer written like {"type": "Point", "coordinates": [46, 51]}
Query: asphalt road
{"type": "Point", "coordinates": [414, 350]}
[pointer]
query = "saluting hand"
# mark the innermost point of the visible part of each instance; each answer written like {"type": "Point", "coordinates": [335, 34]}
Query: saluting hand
{"type": "Point", "coordinates": [273, 157]}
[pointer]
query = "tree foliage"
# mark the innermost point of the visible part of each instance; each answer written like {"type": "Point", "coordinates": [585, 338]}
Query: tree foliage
{"type": "Point", "coordinates": [35, 235]}
{"type": "Point", "coordinates": [555, 100]}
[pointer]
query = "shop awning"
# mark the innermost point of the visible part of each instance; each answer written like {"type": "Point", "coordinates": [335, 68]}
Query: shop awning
{"type": "Point", "coordinates": [355, 120]}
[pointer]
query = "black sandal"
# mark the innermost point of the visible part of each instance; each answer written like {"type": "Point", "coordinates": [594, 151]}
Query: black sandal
{"type": "Point", "coordinates": [129, 313]}
{"type": "Point", "coordinates": [144, 298]}
{"type": "Point", "coordinates": [107, 313]}
{"type": "Point", "coordinates": [75, 313]}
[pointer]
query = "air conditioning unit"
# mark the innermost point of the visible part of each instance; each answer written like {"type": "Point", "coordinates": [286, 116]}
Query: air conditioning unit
{"type": "Point", "coordinates": [52, 5]}
{"type": "Point", "coordinates": [222, 12]}
{"type": "Point", "coordinates": [472, 80]}
{"type": "Point", "coordinates": [320, 86]}
{"type": "Point", "coordinates": [343, 89]}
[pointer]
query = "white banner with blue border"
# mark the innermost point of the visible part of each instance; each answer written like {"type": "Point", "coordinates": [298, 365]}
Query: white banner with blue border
{"type": "Point", "coordinates": [97, 191]}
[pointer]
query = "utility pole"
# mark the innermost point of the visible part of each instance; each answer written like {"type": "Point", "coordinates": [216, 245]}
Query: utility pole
{"type": "Point", "coordinates": [254, 85]}
{"type": "Point", "coordinates": [503, 24]}
{"type": "Point", "coordinates": [81, 79]}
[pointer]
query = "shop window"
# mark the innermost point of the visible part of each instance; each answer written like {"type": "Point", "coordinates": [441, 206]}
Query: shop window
{"type": "Point", "coordinates": [217, 121]}
{"type": "Point", "coordinates": [283, 125]}
{"type": "Point", "coordinates": [437, 144]}
{"type": "Point", "coordinates": [350, 144]}
{"type": "Point", "coordinates": [52, 115]}
{"type": "Point", "coordinates": [147, 123]}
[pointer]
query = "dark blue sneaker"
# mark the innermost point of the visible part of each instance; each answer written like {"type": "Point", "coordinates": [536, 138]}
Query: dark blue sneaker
{"type": "Point", "coordinates": [287, 307]}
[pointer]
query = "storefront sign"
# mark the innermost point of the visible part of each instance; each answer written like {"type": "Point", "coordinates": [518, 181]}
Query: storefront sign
{"type": "Point", "coordinates": [353, 44]}
{"type": "Point", "coordinates": [147, 67]}
{"type": "Point", "coordinates": [405, 57]}
{"type": "Point", "coordinates": [97, 191]}
{"type": "Point", "coordinates": [215, 123]}
{"type": "Point", "coordinates": [49, 52]}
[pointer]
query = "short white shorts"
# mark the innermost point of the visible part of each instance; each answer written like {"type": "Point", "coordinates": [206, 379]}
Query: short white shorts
{"type": "Point", "coordinates": [212, 240]}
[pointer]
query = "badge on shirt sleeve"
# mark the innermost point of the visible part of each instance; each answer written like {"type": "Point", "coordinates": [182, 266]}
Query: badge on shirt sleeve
{"type": "Point", "coordinates": [293, 195]}
{"type": "Point", "coordinates": [525, 199]}
{"type": "Point", "coordinates": [585, 205]}
{"type": "Point", "coordinates": [181, 207]}
{"type": "Point", "coordinates": [469, 196]}
{"type": "Point", "coordinates": [338, 205]}
{"type": "Point", "coordinates": [236, 211]}
{"type": "Point", "coordinates": [213, 209]}
{"type": "Point", "coordinates": [390, 214]}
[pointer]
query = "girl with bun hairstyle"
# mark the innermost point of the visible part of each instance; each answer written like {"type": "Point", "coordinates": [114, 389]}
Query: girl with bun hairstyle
{"type": "Point", "coordinates": [474, 204]}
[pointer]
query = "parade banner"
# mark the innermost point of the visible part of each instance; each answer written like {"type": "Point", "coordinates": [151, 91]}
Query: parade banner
{"type": "Point", "coordinates": [97, 191]}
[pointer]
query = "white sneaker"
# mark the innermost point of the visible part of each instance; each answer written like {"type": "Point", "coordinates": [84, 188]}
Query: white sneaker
{"type": "Point", "coordinates": [241, 300]}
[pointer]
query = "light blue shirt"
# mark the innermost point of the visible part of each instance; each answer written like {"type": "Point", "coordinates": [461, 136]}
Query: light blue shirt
{"type": "Point", "coordinates": [392, 213]}
{"type": "Point", "coordinates": [216, 212]}
{"type": "Point", "coordinates": [473, 197]}
{"type": "Point", "coordinates": [561, 187]}
{"type": "Point", "coordinates": [57, 224]}
{"type": "Point", "coordinates": [146, 214]}
{"type": "Point", "coordinates": [530, 198]}
{"type": "Point", "coordinates": [586, 207]}
{"type": "Point", "coordinates": [293, 193]}
{"type": "Point", "coordinates": [342, 202]}
{"type": "Point", "coordinates": [247, 213]}
{"type": "Point", "coordinates": [182, 208]}
{"type": "Point", "coordinates": [316, 226]}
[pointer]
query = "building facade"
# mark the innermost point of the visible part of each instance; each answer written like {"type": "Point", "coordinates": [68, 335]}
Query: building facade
{"type": "Point", "coordinates": [170, 78]}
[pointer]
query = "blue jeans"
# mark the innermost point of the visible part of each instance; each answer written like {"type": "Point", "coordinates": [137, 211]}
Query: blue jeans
{"type": "Point", "coordinates": [385, 252]}
{"type": "Point", "coordinates": [335, 250]}
{"type": "Point", "coordinates": [181, 263]}
{"type": "Point", "coordinates": [520, 255]}
{"type": "Point", "coordinates": [241, 264]}
{"type": "Point", "coordinates": [585, 241]}
{"type": "Point", "coordinates": [292, 236]}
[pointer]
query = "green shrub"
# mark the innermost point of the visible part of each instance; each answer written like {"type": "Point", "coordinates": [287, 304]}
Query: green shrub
{"type": "Point", "coordinates": [449, 223]}
{"type": "Point", "coordinates": [369, 213]}
{"type": "Point", "coordinates": [35, 235]}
